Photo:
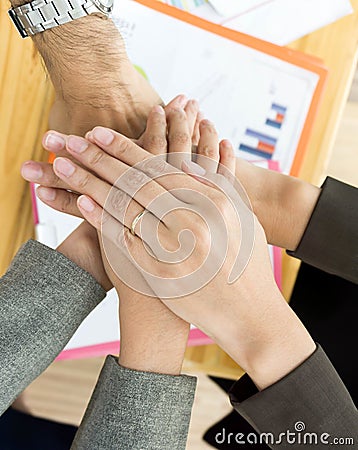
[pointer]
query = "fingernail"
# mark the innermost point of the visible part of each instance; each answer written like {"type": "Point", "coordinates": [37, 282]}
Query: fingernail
{"type": "Point", "coordinates": [64, 166]}
{"type": "Point", "coordinates": [207, 123]}
{"type": "Point", "coordinates": [182, 100]}
{"type": "Point", "coordinates": [194, 103]}
{"type": "Point", "coordinates": [31, 171]}
{"type": "Point", "coordinates": [103, 135]}
{"type": "Point", "coordinates": [54, 142]}
{"type": "Point", "coordinates": [158, 109]}
{"type": "Point", "coordinates": [192, 167]}
{"type": "Point", "coordinates": [227, 144]}
{"type": "Point", "coordinates": [86, 204]}
{"type": "Point", "coordinates": [77, 144]}
{"type": "Point", "coordinates": [89, 135]}
{"type": "Point", "coordinates": [45, 193]}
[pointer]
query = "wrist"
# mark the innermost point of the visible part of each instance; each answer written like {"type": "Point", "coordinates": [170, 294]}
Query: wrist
{"type": "Point", "coordinates": [280, 353]}
{"type": "Point", "coordinates": [283, 204]}
{"type": "Point", "coordinates": [153, 339]}
{"type": "Point", "coordinates": [277, 345]}
{"type": "Point", "coordinates": [269, 341]}
{"type": "Point", "coordinates": [296, 202]}
{"type": "Point", "coordinates": [82, 248]}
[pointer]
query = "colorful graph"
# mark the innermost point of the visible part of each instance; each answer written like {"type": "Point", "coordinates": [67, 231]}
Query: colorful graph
{"type": "Point", "coordinates": [258, 144]}
{"type": "Point", "coordinates": [263, 143]}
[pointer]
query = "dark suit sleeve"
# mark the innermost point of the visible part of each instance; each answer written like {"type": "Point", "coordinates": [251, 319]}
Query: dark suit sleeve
{"type": "Point", "coordinates": [330, 241]}
{"type": "Point", "coordinates": [312, 397]}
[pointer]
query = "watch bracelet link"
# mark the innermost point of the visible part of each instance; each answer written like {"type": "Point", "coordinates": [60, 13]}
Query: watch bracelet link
{"type": "Point", "coordinates": [41, 15]}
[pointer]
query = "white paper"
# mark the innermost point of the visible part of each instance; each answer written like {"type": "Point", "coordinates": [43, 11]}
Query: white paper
{"type": "Point", "coordinates": [229, 8]}
{"type": "Point", "coordinates": [276, 21]}
{"type": "Point", "coordinates": [235, 85]}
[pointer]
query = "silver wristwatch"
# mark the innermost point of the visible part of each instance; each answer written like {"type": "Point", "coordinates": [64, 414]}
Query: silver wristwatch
{"type": "Point", "coordinates": [41, 15]}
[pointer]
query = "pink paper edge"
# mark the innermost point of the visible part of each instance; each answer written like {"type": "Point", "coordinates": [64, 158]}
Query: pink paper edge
{"type": "Point", "coordinates": [277, 252]}
{"type": "Point", "coordinates": [277, 257]}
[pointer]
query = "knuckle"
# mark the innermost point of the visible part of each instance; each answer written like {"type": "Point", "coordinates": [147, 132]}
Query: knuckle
{"type": "Point", "coordinates": [177, 114]}
{"type": "Point", "coordinates": [105, 217]}
{"type": "Point", "coordinates": [155, 141]}
{"type": "Point", "coordinates": [192, 105]}
{"type": "Point", "coordinates": [121, 238]}
{"type": "Point", "coordinates": [50, 179]}
{"type": "Point", "coordinates": [96, 158]}
{"type": "Point", "coordinates": [125, 239]}
{"type": "Point", "coordinates": [83, 181]}
{"type": "Point", "coordinates": [118, 200]}
{"type": "Point", "coordinates": [180, 137]}
{"type": "Point", "coordinates": [153, 167]}
{"type": "Point", "coordinates": [209, 151]}
{"type": "Point", "coordinates": [67, 203]}
{"type": "Point", "coordinates": [158, 119]}
{"type": "Point", "coordinates": [121, 146]}
{"type": "Point", "coordinates": [134, 179]}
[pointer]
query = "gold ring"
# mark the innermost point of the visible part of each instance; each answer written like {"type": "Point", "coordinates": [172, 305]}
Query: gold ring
{"type": "Point", "coordinates": [136, 220]}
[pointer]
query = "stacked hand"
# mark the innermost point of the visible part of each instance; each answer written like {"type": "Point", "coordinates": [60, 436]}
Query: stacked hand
{"type": "Point", "coordinates": [234, 301]}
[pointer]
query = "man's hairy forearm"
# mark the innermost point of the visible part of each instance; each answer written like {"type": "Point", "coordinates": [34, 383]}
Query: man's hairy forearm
{"type": "Point", "coordinates": [85, 56]}
{"type": "Point", "coordinates": [87, 50]}
{"type": "Point", "coordinates": [94, 81]}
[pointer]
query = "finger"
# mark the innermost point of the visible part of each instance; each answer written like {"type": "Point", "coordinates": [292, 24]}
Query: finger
{"type": "Point", "coordinates": [126, 152]}
{"type": "Point", "coordinates": [109, 227]}
{"type": "Point", "coordinates": [227, 164]}
{"type": "Point", "coordinates": [54, 141]}
{"type": "Point", "coordinates": [154, 139]}
{"type": "Point", "coordinates": [41, 173]}
{"type": "Point", "coordinates": [179, 101]}
{"type": "Point", "coordinates": [196, 132]}
{"type": "Point", "coordinates": [208, 147]}
{"type": "Point", "coordinates": [191, 110]}
{"type": "Point", "coordinates": [179, 138]}
{"type": "Point", "coordinates": [131, 181]}
{"type": "Point", "coordinates": [59, 199]}
{"type": "Point", "coordinates": [119, 201]}
{"type": "Point", "coordinates": [93, 212]}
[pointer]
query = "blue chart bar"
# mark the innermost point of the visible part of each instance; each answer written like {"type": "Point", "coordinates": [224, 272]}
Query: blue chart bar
{"type": "Point", "coordinates": [280, 109]}
{"type": "Point", "coordinates": [277, 116]}
{"type": "Point", "coordinates": [255, 151]}
{"type": "Point", "coordinates": [261, 137]}
{"type": "Point", "coordinates": [273, 123]}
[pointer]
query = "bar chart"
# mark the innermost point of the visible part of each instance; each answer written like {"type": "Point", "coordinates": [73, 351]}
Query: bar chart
{"type": "Point", "coordinates": [262, 139]}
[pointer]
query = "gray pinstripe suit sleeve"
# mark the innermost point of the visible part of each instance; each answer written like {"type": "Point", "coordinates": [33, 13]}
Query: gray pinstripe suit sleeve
{"type": "Point", "coordinates": [44, 297]}
{"type": "Point", "coordinates": [132, 410]}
